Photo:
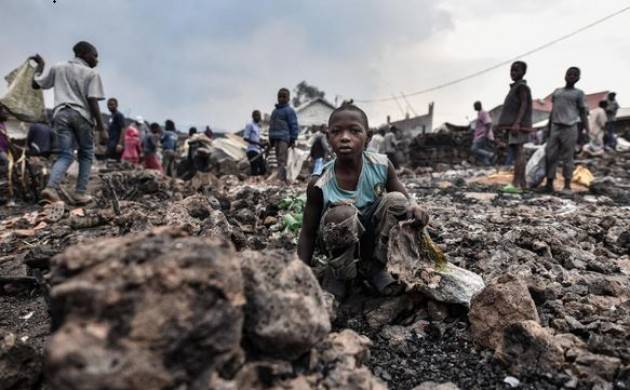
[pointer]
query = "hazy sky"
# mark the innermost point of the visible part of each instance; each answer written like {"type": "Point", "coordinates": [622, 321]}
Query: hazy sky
{"type": "Point", "coordinates": [211, 62]}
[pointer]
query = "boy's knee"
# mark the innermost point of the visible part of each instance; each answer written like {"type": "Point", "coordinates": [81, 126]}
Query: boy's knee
{"type": "Point", "coordinates": [395, 201]}
{"type": "Point", "coordinates": [339, 214]}
{"type": "Point", "coordinates": [341, 228]}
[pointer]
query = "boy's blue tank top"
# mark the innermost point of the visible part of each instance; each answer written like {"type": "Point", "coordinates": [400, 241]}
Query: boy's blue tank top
{"type": "Point", "coordinates": [370, 187]}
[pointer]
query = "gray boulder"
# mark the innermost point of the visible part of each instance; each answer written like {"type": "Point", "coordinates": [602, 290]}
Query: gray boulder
{"type": "Point", "coordinates": [286, 312]}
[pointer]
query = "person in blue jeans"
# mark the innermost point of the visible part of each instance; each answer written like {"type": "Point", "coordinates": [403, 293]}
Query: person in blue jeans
{"type": "Point", "coordinates": [78, 89]}
{"type": "Point", "coordinates": [319, 150]}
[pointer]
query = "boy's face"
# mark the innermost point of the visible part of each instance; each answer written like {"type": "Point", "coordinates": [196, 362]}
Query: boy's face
{"type": "Point", "coordinates": [477, 106]}
{"type": "Point", "coordinates": [347, 134]}
{"type": "Point", "coordinates": [256, 117]}
{"type": "Point", "coordinates": [112, 106]}
{"type": "Point", "coordinates": [91, 57]}
{"type": "Point", "coordinates": [517, 72]}
{"type": "Point", "coordinates": [572, 76]}
{"type": "Point", "coordinates": [283, 97]}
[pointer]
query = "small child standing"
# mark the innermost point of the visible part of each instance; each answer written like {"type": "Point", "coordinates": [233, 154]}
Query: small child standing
{"type": "Point", "coordinates": [516, 117]}
{"type": "Point", "coordinates": [133, 148]}
{"type": "Point", "coordinates": [352, 206]}
{"type": "Point", "coordinates": [150, 148]}
{"type": "Point", "coordinates": [251, 135]}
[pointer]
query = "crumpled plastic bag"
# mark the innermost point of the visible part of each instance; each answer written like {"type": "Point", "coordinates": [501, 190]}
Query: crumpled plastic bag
{"type": "Point", "coordinates": [623, 145]}
{"type": "Point", "coordinates": [535, 168]}
{"type": "Point", "coordinates": [22, 101]}
{"type": "Point", "coordinates": [581, 175]}
{"type": "Point", "coordinates": [422, 266]}
{"type": "Point", "coordinates": [295, 160]}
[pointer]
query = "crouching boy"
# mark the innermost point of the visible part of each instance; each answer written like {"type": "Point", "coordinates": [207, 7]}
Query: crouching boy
{"type": "Point", "coordinates": [351, 208]}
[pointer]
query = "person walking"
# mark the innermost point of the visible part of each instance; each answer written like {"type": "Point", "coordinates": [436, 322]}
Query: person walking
{"type": "Point", "coordinates": [78, 89]}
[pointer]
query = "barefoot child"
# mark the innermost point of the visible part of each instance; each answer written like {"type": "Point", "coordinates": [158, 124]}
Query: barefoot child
{"type": "Point", "coordinates": [568, 109]}
{"type": "Point", "coordinates": [516, 116]}
{"type": "Point", "coordinates": [352, 206]}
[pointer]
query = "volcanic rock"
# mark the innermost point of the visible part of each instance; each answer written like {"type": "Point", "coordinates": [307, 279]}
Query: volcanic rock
{"type": "Point", "coordinates": [528, 348]}
{"type": "Point", "coordinates": [150, 310]}
{"type": "Point", "coordinates": [500, 304]}
{"type": "Point", "coordinates": [286, 312]}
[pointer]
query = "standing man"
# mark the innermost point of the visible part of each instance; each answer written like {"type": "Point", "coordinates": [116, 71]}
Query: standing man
{"type": "Point", "coordinates": [391, 145]}
{"type": "Point", "coordinates": [611, 112]}
{"type": "Point", "coordinates": [115, 128]}
{"type": "Point", "coordinates": [568, 109]}
{"type": "Point", "coordinates": [481, 146]}
{"type": "Point", "coordinates": [597, 122]}
{"type": "Point", "coordinates": [78, 89]}
{"type": "Point", "coordinates": [251, 135]}
{"type": "Point", "coordinates": [283, 131]}
{"type": "Point", "coordinates": [377, 143]}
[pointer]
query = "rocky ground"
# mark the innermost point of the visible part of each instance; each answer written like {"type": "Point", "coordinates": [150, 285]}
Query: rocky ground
{"type": "Point", "coordinates": [194, 285]}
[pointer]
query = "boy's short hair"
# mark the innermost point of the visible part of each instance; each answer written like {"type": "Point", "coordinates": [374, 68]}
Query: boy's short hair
{"type": "Point", "coordinates": [113, 100]}
{"type": "Point", "coordinates": [154, 126]}
{"type": "Point", "coordinates": [522, 64]}
{"type": "Point", "coordinates": [284, 90]}
{"type": "Point", "coordinates": [169, 124]}
{"type": "Point", "coordinates": [350, 107]}
{"type": "Point", "coordinates": [603, 104]}
{"type": "Point", "coordinates": [256, 112]}
{"type": "Point", "coordinates": [82, 48]}
{"type": "Point", "coordinates": [574, 68]}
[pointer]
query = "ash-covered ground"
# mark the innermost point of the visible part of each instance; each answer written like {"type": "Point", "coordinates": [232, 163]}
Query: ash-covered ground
{"type": "Point", "coordinates": [194, 285]}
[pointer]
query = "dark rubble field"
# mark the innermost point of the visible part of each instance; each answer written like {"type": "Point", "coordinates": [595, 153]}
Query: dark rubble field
{"type": "Point", "coordinates": [167, 284]}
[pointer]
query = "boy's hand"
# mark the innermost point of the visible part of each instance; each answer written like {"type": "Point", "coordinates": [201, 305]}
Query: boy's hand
{"type": "Point", "coordinates": [419, 215]}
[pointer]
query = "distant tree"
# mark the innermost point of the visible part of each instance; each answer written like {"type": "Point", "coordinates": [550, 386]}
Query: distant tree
{"type": "Point", "coordinates": [304, 92]}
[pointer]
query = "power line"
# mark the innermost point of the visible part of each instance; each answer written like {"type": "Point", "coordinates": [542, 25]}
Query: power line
{"type": "Point", "coordinates": [400, 107]}
{"type": "Point", "coordinates": [408, 104]}
{"type": "Point", "coordinates": [503, 63]}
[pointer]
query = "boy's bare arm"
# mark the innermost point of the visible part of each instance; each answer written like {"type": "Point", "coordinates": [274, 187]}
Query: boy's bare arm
{"type": "Point", "coordinates": [393, 183]}
{"type": "Point", "coordinates": [416, 212]}
{"type": "Point", "coordinates": [310, 223]}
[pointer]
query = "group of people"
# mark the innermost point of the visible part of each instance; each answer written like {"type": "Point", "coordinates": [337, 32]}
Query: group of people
{"type": "Point", "coordinates": [78, 89]}
{"type": "Point", "coordinates": [569, 118]}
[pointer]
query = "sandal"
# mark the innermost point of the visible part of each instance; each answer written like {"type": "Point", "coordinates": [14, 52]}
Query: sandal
{"type": "Point", "coordinates": [385, 283]}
